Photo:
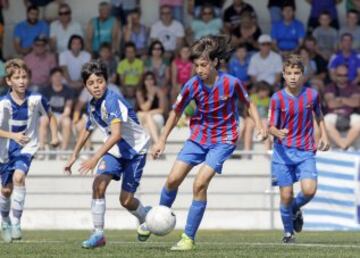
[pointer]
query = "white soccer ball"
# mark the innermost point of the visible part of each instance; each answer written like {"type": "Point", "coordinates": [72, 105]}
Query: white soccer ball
{"type": "Point", "coordinates": [160, 220]}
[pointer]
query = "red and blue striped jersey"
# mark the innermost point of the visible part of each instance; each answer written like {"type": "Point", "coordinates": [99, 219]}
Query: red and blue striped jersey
{"type": "Point", "coordinates": [296, 115]}
{"type": "Point", "coordinates": [216, 118]}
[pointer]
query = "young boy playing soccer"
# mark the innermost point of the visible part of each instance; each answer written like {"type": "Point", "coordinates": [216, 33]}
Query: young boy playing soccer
{"type": "Point", "coordinates": [291, 124]}
{"type": "Point", "coordinates": [122, 154]}
{"type": "Point", "coordinates": [20, 112]}
{"type": "Point", "coordinates": [213, 130]}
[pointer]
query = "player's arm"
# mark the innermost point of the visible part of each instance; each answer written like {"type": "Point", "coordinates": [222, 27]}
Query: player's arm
{"type": "Point", "coordinates": [19, 137]}
{"type": "Point", "coordinates": [324, 143]}
{"type": "Point", "coordinates": [274, 120]}
{"type": "Point", "coordinates": [114, 137]}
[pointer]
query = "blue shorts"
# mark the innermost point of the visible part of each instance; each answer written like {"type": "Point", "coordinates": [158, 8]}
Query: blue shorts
{"type": "Point", "coordinates": [213, 155]}
{"type": "Point", "coordinates": [20, 162]}
{"type": "Point", "coordinates": [289, 165]}
{"type": "Point", "coordinates": [131, 169]}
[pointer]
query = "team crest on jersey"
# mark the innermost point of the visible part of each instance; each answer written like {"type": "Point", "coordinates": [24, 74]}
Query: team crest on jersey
{"type": "Point", "coordinates": [102, 165]}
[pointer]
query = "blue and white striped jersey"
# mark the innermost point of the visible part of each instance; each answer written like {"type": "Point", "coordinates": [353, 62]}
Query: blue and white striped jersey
{"type": "Point", "coordinates": [21, 118]}
{"type": "Point", "coordinates": [113, 108]}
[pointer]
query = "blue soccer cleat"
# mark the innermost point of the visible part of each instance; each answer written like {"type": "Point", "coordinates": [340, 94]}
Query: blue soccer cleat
{"type": "Point", "coordinates": [97, 239]}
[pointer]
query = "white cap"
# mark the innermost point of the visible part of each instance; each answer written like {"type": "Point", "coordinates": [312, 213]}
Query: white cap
{"type": "Point", "coordinates": [264, 38]}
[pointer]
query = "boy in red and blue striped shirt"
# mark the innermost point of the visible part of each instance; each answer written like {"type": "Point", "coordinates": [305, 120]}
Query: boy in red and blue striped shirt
{"type": "Point", "coordinates": [291, 123]}
{"type": "Point", "coordinates": [213, 130]}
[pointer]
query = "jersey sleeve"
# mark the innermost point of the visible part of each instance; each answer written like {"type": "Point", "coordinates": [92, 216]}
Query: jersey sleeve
{"type": "Point", "coordinates": [241, 93]}
{"type": "Point", "coordinates": [183, 99]}
{"type": "Point", "coordinates": [117, 111]}
{"type": "Point", "coordinates": [274, 113]}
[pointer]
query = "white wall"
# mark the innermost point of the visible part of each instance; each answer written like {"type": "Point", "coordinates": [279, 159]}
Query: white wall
{"type": "Point", "coordinates": [83, 10]}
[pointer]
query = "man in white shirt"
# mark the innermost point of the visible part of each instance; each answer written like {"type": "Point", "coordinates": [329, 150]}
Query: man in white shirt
{"type": "Point", "coordinates": [266, 65]}
{"type": "Point", "coordinates": [169, 31]}
{"type": "Point", "coordinates": [72, 60]}
{"type": "Point", "coordinates": [62, 29]}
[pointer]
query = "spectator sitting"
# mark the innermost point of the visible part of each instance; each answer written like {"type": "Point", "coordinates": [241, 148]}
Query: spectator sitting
{"type": "Point", "coordinates": [157, 64]}
{"type": "Point", "coordinates": [326, 36]}
{"type": "Point", "coordinates": [352, 27]}
{"type": "Point", "coordinates": [288, 33]}
{"type": "Point", "coordinates": [309, 66]}
{"type": "Point", "coordinates": [136, 32]}
{"type": "Point", "coordinates": [317, 7]}
{"type": "Point", "coordinates": [353, 5]}
{"type": "Point", "coordinates": [194, 7]}
{"type": "Point", "coordinates": [103, 28]}
{"type": "Point", "coordinates": [181, 71]}
{"type": "Point", "coordinates": [168, 31]}
{"type": "Point", "coordinates": [26, 31]}
{"type": "Point", "coordinates": [275, 7]}
{"type": "Point", "coordinates": [177, 8]}
{"type": "Point", "coordinates": [60, 99]}
{"type": "Point", "coordinates": [348, 56]}
{"type": "Point", "coordinates": [261, 98]}
{"type": "Point", "coordinates": [62, 29]}
{"type": "Point", "coordinates": [130, 71]}
{"type": "Point", "coordinates": [342, 100]}
{"type": "Point", "coordinates": [121, 9]}
{"type": "Point", "coordinates": [72, 60]}
{"type": "Point", "coordinates": [151, 106]}
{"type": "Point", "coordinates": [207, 25]}
{"type": "Point", "coordinates": [40, 62]}
{"type": "Point", "coordinates": [248, 32]}
{"type": "Point", "coordinates": [111, 62]}
{"type": "Point", "coordinates": [233, 14]}
{"type": "Point", "coordinates": [239, 64]}
{"type": "Point", "coordinates": [266, 65]}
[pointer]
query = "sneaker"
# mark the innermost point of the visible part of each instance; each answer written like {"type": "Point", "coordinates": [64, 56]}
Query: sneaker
{"type": "Point", "coordinates": [97, 239]}
{"type": "Point", "coordinates": [143, 232]}
{"type": "Point", "coordinates": [288, 238]}
{"type": "Point", "coordinates": [298, 221]}
{"type": "Point", "coordinates": [185, 244]}
{"type": "Point", "coordinates": [16, 233]}
{"type": "Point", "coordinates": [6, 232]}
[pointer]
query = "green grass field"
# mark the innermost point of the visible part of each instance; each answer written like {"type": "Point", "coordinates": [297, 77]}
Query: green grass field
{"type": "Point", "coordinates": [49, 244]}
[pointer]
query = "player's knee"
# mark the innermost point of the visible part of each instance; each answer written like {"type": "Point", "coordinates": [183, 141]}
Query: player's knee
{"type": "Point", "coordinates": [286, 197]}
{"type": "Point", "coordinates": [66, 121]}
{"type": "Point", "coordinates": [19, 179]}
{"type": "Point", "coordinates": [200, 187]}
{"type": "Point", "coordinates": [126, 201]}
{"type": "Point", "coordinates": [6, 191]}
{"type": "Point", "coordinates": [309, 193]}
{"type": "Point", "coordinates": [98, 190]}
{"type": "Point", "coordinates": [172, 183]}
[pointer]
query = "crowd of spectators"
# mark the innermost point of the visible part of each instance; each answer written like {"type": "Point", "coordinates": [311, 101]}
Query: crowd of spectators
{"type": "Point", "coordinates": [148, 64]}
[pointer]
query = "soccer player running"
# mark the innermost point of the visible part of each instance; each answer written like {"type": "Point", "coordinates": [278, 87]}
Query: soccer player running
{"type": "Point", "coordinates": [292, 110]}
{"type": "Point", "coordinates": [20, 112]}
{"type": "Point", "coordinates": [122, 154]}
{"type": "Point", "coordinates": [214, 130]}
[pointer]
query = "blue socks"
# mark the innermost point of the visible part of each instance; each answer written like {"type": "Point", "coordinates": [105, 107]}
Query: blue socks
{"type": "Point", "coordinates": [300, 201]}
{"type": "Point", "coordinates": [167, 197]}
{"type": "Point", "coordinates": [194, 218]}
{"type": "Point", "coordinates": [287, 218]}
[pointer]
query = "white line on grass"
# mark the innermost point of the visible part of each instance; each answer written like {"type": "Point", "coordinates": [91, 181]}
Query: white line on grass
{"type": "Point", "coordinates": [166, 243]}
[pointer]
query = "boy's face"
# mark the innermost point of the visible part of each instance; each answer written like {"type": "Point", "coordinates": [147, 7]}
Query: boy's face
{"type": "Point", "coordinates": [292, 76]}
{"type": "Point", "coordinates": [96, 85]}
{"type": "Point", "coordinates": [130, 53]}
{"type": "Point", "coordinates": [240, 53]}
{"type": "Point", "coordinates": [263, 93]}
{"type": "Point", "coordinates": [19, 81]}
{"type": "Point", "coordinates": [324, 20]}
{"type": "Point", "coordinates": [204, 67]}
{"type": "Point", "coordinates": [105, 53]}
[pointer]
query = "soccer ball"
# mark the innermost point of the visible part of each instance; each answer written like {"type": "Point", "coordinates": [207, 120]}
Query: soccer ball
{"type": "Point", "coordinates": [160, 220]}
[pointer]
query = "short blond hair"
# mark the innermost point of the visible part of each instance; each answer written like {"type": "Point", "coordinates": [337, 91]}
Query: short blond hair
{"type": "Point", "coordinates": [12, 65]}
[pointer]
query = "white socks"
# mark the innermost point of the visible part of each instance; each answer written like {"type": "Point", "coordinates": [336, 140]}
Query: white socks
{"type": "Point", "coordinates": [98, 207]}
{"type": "Point", "coordinates": [18, 200]}
{"type": "Point", "coordinates": [139, 213]}
{"type": "Point", "coordinates": [5, 208]}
